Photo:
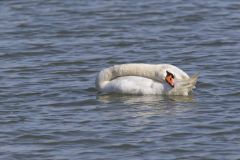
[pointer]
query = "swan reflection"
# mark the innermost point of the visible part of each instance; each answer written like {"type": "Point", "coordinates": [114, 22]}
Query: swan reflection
{"type": "Point", "coordinates": [144, 99]}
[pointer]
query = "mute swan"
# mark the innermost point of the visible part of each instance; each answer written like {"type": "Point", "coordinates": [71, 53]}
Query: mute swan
{"type": "Point", "coordinates": [145, 79]}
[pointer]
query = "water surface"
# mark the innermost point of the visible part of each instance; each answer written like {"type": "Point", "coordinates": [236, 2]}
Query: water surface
{"type": "Point", "coordinates": [51, 51]}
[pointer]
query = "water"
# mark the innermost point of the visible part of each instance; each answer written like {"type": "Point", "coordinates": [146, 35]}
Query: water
{"type": "Point", "coordinates": [51, 51]}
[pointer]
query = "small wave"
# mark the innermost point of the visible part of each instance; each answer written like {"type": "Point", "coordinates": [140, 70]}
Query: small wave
{"type": "Point", "coordinates": [232, 94]}
{"type": "Point", "coordinates": [205, 85]}
{"type": "Point", "coordinates": [23, 54]}
{"type": "Point", "coordinates": [124, 146]}
{"type": "Point", "coordinates": [74, 103]}
{"type": "Point", "coordinates": [91, 89]}
{"type": "Point", "coordinates": [63, 63]}
{"type": "Point", "coordinates": [35, 136]}
{"type": "Point", "coordinates": [217, 42]}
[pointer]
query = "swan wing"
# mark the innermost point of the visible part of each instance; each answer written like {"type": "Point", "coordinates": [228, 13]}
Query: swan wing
{"type": "Point", "coordinates": [134, 85]}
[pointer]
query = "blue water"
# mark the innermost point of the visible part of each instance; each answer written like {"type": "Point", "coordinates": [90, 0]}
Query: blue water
{"type": "Point", "coordinates": [51, 52]}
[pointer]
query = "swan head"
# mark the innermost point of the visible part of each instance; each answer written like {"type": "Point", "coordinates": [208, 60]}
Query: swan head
{"type": "Point", "coordinates": [169, 79]}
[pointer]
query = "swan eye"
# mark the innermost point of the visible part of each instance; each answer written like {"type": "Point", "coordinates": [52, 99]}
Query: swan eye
{"type": "Point", "coordinates": [169, 74]}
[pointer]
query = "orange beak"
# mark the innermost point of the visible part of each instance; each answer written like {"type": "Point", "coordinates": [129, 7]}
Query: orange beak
{"type": "Point", "coordinates": [170, 80]}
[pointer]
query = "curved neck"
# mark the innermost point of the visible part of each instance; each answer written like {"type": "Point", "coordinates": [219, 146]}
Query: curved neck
{"type": "Point", "coordinates": [154, 72]}
{"type": "Point", "coordinates": [143, 70]}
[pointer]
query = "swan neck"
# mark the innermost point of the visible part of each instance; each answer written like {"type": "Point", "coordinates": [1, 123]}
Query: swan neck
{"type": "Point", "coordinates": [153, 72]}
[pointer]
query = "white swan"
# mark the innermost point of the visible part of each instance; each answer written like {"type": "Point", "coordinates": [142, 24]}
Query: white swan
{"type": "Point", "coordinates": [145, 79]}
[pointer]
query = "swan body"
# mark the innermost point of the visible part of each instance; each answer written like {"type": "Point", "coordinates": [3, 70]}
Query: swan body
{"type": "Point", "coordinates": [144, 79]}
